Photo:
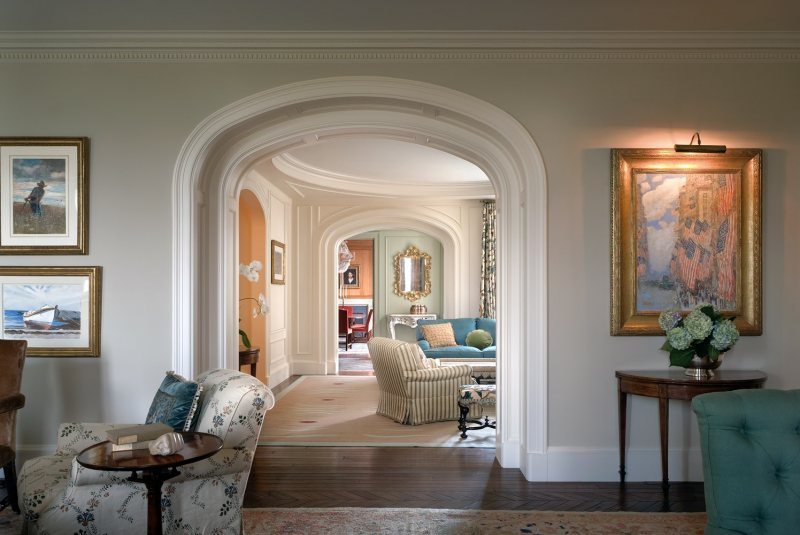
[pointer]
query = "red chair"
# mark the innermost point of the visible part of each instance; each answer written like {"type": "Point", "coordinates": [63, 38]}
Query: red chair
{"type": "Point", "coordinates": [364, 328]}
{"type": "Point", "coordinates": [345, 328]}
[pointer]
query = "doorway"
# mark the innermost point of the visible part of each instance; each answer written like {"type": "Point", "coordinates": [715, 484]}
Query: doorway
{"type": "Point", "coordinates": [209, 172]}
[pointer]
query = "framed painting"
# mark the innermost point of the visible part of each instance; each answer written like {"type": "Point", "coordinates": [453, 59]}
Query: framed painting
{"type": "Point", "coordinates": [44, 195]}
{"type": "Point", "coordinates": [56, 309]}
{"type": "Point", "coordinates": [351, 278]}
{"type": "Point", "coordinates": [278, 267]}
{"type": "Point", "coordinates": [686, 230]}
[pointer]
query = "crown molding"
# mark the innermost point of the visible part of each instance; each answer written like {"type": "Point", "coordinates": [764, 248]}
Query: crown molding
{"type": "Point", "coordinates": [398, 46]}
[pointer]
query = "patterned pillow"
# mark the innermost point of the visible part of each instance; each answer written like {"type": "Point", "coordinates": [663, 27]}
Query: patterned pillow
{"type": "Point", "coordinates": [175, 403]}
{"type": "Point", "coordinates": [439, 334]}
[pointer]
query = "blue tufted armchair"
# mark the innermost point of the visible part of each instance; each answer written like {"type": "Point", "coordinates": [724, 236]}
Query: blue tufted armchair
{"type": "Point", "coordinates": [750, 441]}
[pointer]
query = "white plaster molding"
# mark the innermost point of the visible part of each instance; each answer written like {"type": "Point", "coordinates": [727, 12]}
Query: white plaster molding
{"type": "Point", "coordinates": [405, 46]}
{"type": "Point", "coordinates": [217, 154]}
{"type": "Point", "coordinates": [641, 464]}
{"type": "Point", "coordinates": [358, 220]}
{"type": "Point", "coordinates": [314, 178]}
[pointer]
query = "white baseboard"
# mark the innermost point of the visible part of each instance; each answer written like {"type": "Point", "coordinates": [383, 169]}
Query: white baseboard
{"type": "Point", "coordinates": [278, 374]}
{"type": "Point", "coordinates": [307, 368]}
{"type": "Point", "coordinates": [584, 464]}
{"type": "Point", "coordinates": [508, 454]}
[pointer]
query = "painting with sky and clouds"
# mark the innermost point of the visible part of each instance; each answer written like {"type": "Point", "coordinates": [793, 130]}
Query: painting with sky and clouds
{"type": "Point", "coordinates": [21, 298]}
{"type": "Point", "coordinates": [45, 212]}
{"type": "Point", "coordinates": [687, 240]}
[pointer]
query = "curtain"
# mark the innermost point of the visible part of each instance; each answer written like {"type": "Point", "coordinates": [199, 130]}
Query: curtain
{"type": "Point", "coordinates": [488, 261]}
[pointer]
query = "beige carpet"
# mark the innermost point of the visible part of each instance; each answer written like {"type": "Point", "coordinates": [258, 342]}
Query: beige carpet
{"type": "Point", "coordinates": [358, 521]}
{"type": "Point", "coordinates": [326, 410]}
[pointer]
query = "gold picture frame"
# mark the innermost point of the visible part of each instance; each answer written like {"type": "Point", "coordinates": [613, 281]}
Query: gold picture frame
{"type": "Point", "coordinates": [412, 274]}
{"type": "Point", "coordinates": [685, 229]}
{"type": "Point", "coordinates": [44, 195]}
{"type": "Point", "coordinates": [277, 262]}
{"type": "Point", "coordinates": [56, 309]}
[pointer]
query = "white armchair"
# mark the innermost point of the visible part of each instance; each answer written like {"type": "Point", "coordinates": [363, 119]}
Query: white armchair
{"type": "Point", "coordinates": [57, 495]}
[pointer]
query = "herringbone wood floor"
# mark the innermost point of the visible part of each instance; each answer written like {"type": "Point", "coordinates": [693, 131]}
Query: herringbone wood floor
{"type": "Point", "coordinates": [440, 478]}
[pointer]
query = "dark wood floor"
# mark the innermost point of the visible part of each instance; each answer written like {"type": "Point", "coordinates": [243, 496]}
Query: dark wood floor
{"type": "Point", "coordinates": [440, 478]}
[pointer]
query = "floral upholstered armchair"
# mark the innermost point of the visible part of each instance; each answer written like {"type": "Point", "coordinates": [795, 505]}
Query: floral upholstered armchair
{"type": "Point", "coordinates": [57, 495]}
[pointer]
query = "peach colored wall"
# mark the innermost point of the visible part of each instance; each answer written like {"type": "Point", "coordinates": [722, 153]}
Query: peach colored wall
{"type": "Point", "coordinates": [252, 246]}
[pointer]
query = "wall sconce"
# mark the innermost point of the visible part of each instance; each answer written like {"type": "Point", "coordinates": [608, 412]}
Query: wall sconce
{"type": "Point", "coordinates": [700, 147]}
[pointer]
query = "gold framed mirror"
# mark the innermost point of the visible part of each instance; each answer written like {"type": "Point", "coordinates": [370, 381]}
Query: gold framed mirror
{"type": "Point", "coordinates": [412, 274]}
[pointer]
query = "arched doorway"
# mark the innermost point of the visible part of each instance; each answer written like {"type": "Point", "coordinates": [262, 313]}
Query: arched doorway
{"type": "Point", "coordinates": [209, 173]}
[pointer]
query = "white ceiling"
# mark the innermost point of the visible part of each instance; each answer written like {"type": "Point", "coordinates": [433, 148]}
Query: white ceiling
{"type": "Point", "coordinates": [360, 15]}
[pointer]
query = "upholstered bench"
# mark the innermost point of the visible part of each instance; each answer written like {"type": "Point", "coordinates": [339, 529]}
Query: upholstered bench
{"type": "Point", "coordinates": [469, 396]}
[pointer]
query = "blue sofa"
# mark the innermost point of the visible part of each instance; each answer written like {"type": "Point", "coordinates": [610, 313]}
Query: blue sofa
{"type": "Point", "coordinates": [461, 328]}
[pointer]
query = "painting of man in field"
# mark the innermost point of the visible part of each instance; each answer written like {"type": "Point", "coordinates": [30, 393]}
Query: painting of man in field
{"type": "Point", "coordinates": [39, 195]}
{"type": "Point", "coordinates": [687, 240]}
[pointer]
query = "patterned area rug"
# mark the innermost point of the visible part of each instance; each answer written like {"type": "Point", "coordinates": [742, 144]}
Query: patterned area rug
{"type": "Point", "coordinates": [357, 521]}
{"type": "Point", "coordinates": [328, 410]}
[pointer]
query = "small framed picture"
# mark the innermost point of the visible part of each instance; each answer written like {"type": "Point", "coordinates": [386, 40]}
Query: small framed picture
{"type": "Point", "coordinates": [351, 278]}
{"type": "Point", "coordinates": [56, 309]}
{"type": "Point", "coordinates": [44, 195]}
{"type": "Point", "coordinates": [278, 267]}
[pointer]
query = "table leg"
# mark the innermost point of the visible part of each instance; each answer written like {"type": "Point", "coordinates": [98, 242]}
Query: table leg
{"type": "Point", "coordinates": [623, 421]}
{"type": "Point", "coordinates": [663, 420]}
{"type": "Point", "coordinates": [153, 479]}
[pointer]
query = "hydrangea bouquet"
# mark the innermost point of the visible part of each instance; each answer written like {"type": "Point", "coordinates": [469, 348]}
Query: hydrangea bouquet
{"type": "Point", "coordinates": [703, 332]}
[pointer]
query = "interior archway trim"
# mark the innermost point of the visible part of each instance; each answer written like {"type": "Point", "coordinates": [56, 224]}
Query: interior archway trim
{"type": "Point", "coordinates": [223, 146]}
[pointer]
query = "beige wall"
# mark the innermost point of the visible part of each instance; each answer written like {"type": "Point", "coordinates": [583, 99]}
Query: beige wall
{"type": "Point", "coordinates": [139, 114]}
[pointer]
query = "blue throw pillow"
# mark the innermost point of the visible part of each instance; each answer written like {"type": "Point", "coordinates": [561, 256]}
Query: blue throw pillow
{"type": "Point", "coordinates": [175, 403]}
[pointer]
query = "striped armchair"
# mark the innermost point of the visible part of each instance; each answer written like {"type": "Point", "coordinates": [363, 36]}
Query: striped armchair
{"type": "Point", "coordinates": [410, 391]}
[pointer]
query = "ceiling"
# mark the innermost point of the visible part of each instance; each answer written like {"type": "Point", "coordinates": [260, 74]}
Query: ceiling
{"type": "Point", "coordinates": [352, 169]}
{"type": "Point", "coordinates": [361, 15]}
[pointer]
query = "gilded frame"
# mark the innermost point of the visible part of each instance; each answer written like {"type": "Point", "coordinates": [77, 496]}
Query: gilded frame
{"type": "Point", "coordinates": [53, 217]}
{"type": "Point", "coordinates": [711, 248]}
{"type": "Point", "coordinates": [277, 262]}
{"type": "Point", "coordinates": [415, 253]}
{"type": "Point", "coordinates": [73, 330]}
{"type": "Point", "coordinates": [355, 269]}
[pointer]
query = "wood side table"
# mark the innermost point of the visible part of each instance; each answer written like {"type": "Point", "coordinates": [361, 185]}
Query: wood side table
{"type": "Point", "coordinates": [249, 356]}
{"type": "Point", "coordinates": [672, 384]}
{"type": "Point", "coordinates": [155, 469]}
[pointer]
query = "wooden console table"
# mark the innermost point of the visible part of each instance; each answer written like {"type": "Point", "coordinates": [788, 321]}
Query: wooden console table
{"type": "Point", "coordinates": [409, 320]}
{"type": "Point", "coordinates": [249, 356]}
{"type": "Point", "coordinates": [673, 384]}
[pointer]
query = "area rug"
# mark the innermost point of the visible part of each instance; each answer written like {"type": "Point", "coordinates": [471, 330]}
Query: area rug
{"type": "Point", "coordinates": [326, 410]}
{"type": "Point", "coordinates": [357, 521]}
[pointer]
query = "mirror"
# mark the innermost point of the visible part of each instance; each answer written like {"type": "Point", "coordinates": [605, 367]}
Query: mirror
{"type": "Point", "coordinates": [412, 274]}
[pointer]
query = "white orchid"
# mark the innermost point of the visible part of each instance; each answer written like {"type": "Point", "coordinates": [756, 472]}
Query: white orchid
{"type": "Point", "coordinates": [250, 271]}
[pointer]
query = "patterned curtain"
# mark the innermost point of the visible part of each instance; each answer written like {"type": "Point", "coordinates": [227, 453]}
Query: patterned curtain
{"type": "Point", "coordinates": [488, 261]}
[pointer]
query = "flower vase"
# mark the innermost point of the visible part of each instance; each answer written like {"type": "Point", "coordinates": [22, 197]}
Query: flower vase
{"type": "Point", "coordinates": [703, 367]}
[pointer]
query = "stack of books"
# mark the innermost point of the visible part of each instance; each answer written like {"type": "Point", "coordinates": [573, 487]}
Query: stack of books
{"type": "Point", "coordinates": [137, 437]}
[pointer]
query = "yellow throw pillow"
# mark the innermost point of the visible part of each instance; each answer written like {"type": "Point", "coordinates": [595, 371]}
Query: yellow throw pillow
{"type": "Point", "coordinates": [439, 334]}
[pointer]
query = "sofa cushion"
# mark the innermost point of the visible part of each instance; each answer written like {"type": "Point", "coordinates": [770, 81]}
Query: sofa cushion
{"type": "Point", "coordinates": [489, 352]}
{"type": "Point", "coordinates": [489, 325]}
{"type": "Point", "coordinates": [175, 403]}
{"type": "Point", "coordinates": [454, 352]}
{"type": "Point", "coordinates": [439, 334]}
{"type": "Point", "coordinates": [479, 339]}
{"type": "Point", "coordinates": [461, 328]}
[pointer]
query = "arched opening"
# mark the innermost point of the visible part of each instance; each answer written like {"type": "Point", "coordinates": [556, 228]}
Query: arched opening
{"type": "Point", "coordinates": [209, 174]}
